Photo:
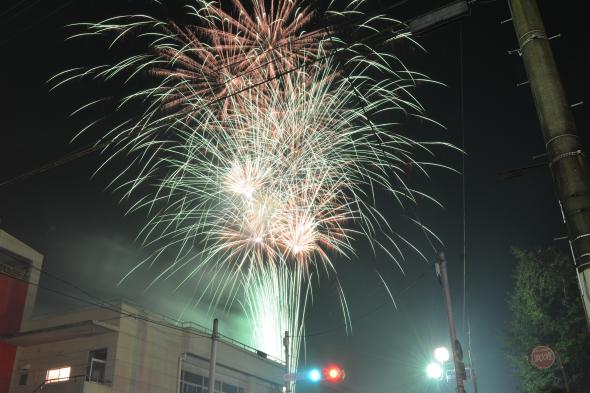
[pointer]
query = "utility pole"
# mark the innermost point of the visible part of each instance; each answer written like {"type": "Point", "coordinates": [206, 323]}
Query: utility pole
{"type": "Point", "coordinates": [473, 373]}
{"type": "Point", "coordinates": [213, 358]}
{"type": "Point", "coordinates": [286, 345]}
{"type": "Point", "coordinates": [441, 267]}
{"type": "Point", "coordinates": [567, 160]}
{"type": "Point", "coordinates": [563, 374]}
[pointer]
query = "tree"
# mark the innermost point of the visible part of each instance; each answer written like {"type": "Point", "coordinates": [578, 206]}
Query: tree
{"type": "Point", "coordinates": [547, 310]}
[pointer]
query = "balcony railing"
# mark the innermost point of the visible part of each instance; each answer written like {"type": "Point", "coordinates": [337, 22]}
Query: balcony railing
{"type": "Point", "coordinates": [79, 379]}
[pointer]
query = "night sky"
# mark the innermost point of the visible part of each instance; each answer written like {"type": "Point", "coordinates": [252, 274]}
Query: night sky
{"type": "Point", "coordinates": [83, 230]}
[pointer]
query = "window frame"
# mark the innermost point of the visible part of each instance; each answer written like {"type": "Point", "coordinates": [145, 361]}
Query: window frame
{"type": "Point", "coordinates": [59, 378]}
{"type": "Point", "coordinates": [203, 386]}
{"type": "Point", "coordinates": [23, 378]}
{"type": "Point", "coordinates": [95, 360]}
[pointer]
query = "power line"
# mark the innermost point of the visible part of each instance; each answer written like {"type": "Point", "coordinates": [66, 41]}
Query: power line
{"type": "Point", "coordinates": [104, 304]}
{"type": "Point", "coordinates": [366, 314]}
{"type": "Point", "coordinates": [90, 149]}
{"type": "Point", "coordinates": [463, 187]}
{"type": "Point", "coordinates": [59, 162]}
{"type": "Point", "coordinates": [107, 306]}
{"type": "Point", "coordinates": [105, 143]}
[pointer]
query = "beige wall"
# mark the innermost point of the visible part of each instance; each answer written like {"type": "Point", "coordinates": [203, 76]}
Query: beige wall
{"type": "Point", "coordinates": [142, 357]}
{"type": "Point", "coordinates": [106, 316]}
{"type": "Point", "coordinates": [148, 357]}
{"type": "Point", "coordinates": [73, 353]}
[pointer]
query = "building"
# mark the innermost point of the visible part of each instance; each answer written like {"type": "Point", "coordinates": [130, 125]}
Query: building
{"type": "Point", "coordinates": [122, 348]}
{"type": "Point", "coordinates": [19, 275]}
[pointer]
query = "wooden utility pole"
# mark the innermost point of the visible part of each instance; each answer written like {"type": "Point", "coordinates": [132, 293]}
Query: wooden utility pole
{"type": "Point", "coordinates": [567, 160]}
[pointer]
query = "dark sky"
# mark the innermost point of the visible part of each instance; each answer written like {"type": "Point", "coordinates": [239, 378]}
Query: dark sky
{"type": "Point", "coordinates": [87, 238]}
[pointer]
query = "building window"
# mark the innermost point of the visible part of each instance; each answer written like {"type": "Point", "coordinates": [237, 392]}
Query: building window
{"type": "Point", "coordinates": [23, 377]}
{"type": "Point", "coordinates": [191, 383]}
{"type": "Point", "coordinates": [194, 383]}
{"type": "Point", "coordinates": [95, 370]}
{"type": "Point", "coordinates": [58, 374]}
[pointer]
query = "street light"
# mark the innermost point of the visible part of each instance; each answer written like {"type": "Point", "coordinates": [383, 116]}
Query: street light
{"type": "Point", "coordinates": [434, 371]}
{"type": "Point", "coordinates": [441, 354]}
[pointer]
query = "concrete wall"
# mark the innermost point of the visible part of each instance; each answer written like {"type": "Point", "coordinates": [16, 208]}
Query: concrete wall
{"type": "Point", "coordinates": [90, 387]}
{"type": "Point", "coordinates": [142, 357]}
{"type": "Point", "coordinates": [107, 316]}
{"type": "Point", "coordinates": [148, 358]}
{"type": "Point", "coordinates": [73, 353]}
{"type": "Point", "coordinates": [17, 298]}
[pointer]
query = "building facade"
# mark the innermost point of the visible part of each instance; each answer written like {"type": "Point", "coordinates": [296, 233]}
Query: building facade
{"type": "Point", "coordinates": [121, 348]}
{"type": "Point", "coordinates": [19, 275]}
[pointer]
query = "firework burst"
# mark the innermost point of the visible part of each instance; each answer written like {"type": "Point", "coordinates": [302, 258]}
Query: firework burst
{"type": "Point", "coordinates": [259, 145]}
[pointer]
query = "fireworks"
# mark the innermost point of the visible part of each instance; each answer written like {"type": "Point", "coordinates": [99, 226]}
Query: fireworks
{"type": "Point", "coordinates": [258, 144]}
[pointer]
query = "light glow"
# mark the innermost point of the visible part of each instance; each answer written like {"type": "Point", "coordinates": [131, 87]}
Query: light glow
{"type": "Point", "coordinates": [315, 375]}
{"type": "Point", "coordinates": [334, 374]}
{"type": "Point", "coordinates": [441, 354]}
{"type": "Point", "coordinates": [434, 371]}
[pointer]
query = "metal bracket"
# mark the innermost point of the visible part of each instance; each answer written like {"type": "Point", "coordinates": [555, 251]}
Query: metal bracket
{"type": "Point", "coordinates": [580, 103]}
{"type": "Point", "coordinates": [528, 37]}
{"type": "Point", "coordinates": [513, 51]}
{"type": "Point", "coordinates": [579, 265]}
{"type": "Point", "coordinates": [542, 155]}
{"type": "Point", "coordinates": [565, 155]}
{"type": "Point", "coordinates": [550, 141]}
{"type": "Point", "coordinates": [531, 38]}
{"type": "Point", "coordinates": [582, 236]}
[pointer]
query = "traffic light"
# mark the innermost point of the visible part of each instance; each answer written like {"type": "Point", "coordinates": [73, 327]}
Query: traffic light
{"type": "Point", "coordinates": [334, 373]}
{"type": "Point", "coordinates": [314, 375]}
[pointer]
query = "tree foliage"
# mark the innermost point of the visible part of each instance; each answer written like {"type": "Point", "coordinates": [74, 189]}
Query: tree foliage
{"type": "Point", "coordinates": [547, 310]}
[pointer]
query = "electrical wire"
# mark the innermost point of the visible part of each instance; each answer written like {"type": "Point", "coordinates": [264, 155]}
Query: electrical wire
{"type": "Point", "coordinates": [104, 304]}
{"type": "Point", "coordinates": [463, 186]}
{"type": "Point", "coordinates": [102, 143]}
{"type": "Point", "coordinates": [89, 149]}
{"type": "Point", "coordinates": [343, 326]}
{"type": "Point", "coordinates": [107, 306]}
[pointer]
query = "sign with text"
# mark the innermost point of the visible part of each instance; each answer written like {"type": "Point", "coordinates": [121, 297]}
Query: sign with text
{"type": "Point", "coordinates": [451, 375]}
{"type": "Point", "coordinates": [542, 357]}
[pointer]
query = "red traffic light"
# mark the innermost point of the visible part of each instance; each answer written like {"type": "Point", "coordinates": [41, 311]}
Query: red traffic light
{"type": "Point", "coordinates": [334, 374]}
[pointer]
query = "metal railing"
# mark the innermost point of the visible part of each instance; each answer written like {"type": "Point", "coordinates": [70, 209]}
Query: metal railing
{"type": "Point", "coordinates": [228, 340]}
{"type": "Point", "coordinates": [71, 379]}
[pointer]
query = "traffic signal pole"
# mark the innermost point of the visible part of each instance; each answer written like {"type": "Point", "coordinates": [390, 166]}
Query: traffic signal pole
{"type": "Point", "coordinates": [441, 267]}
{"type": "Point", "coordinates": [567, 160]}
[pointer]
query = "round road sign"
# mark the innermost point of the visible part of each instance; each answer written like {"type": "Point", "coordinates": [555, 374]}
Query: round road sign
{"type": "Point", "coordinates": [542, 357]}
